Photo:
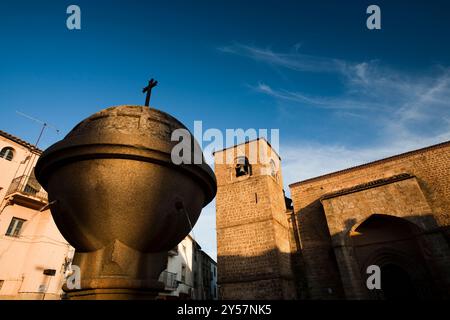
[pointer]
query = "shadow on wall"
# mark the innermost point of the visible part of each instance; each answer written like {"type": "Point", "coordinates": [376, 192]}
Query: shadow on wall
{"type": "Point", "coordinates": [318, 260]}
{"type": "Point", "coordinates": [412, 252]}
{"type": "Point", "coordinates": [267, 276]}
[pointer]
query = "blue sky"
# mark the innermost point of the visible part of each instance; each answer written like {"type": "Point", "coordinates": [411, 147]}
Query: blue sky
{"type": "Point", "coordinates": [340, 94]}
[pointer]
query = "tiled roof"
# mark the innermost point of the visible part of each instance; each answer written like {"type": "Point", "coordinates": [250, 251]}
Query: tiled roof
{"type": "Point", "coordinates": [367, 185]}
{"type": "Point", "coordinates": [365, 165]}
{"type": "Point", "coordinates": [19, 141]}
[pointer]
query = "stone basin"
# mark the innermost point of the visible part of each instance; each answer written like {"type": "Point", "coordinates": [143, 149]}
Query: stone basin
{"type": "Point", "coordinates": [112, 178]}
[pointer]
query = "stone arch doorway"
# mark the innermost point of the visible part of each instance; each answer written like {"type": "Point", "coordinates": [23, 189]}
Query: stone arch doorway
{"type": "Point", "coordinates": [396, 283]}
{"type": "Point", "coordinates": [394, 245]}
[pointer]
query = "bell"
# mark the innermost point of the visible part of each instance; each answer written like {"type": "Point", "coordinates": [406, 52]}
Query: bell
{"type": "Point", "coordinates": [241, 169]}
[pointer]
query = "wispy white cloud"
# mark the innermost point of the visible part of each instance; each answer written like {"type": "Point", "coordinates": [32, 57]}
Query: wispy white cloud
{"type": "Point", "coordinates": [294, 61]}
{"type": "Point", "coordinates": [316, 101]}
{"type": "Point", "coordinates": [412, 111]}
{"type": "Point", "coordinates": [392, 99]}
{"type": "Point", "coordinates": [304, 159]}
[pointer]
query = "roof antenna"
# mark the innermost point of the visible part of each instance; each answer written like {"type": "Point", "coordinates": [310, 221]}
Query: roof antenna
{"type": "Point", "coordinates": [28, 168]}
{"type": "Point", "coordinates": [43, 123]}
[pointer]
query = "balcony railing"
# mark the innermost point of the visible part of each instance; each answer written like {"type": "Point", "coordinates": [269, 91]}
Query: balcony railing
{"type": "Point", "coordinates": [169, 279]}
{"type": "Point", "coordinates": [27, 186]}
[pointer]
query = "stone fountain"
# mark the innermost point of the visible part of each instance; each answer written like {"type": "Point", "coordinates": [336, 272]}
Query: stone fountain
{"type": "Point", "coordinates": [117, 197]}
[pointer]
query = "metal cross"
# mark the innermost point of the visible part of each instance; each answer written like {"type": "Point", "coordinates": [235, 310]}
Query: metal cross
{"type": "Point", "coordinates": [151, 84]}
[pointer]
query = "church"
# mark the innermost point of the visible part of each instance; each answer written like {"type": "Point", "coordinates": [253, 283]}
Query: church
{"type": "Point", "coordinates": [392, 213]}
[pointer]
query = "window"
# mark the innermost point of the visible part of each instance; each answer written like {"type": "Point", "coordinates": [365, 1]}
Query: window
{"type": "Point", "coordinates": [7, 153]}
{"type": "Point", "coordinates": [183, 273]}
{"type": "Point", "coordinates": [242, 166]}
{"type": "Point", "coordinates": [14, 227]}
{"type": "Point", "coordinates": [215, 271]}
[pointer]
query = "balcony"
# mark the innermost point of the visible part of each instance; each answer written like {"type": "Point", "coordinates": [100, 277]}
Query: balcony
{"type": "Point", "coordinates": [27, 191]}
{"type": "Point", "coordinates": [169, 279]}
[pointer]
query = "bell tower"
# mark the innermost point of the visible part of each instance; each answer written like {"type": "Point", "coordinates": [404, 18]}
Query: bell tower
{"type": "Point", "coordinates": [254, 256]}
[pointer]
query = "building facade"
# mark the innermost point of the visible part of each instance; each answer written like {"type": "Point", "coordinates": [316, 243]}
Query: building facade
{"type": "Point", "coordinates": [392, 213]}
{"type": "Point", "coordinates": [191, 274]}
{"type": "Point", "coordinates": [206, 277]}
{"type": "Point", "coordinates": [34, 257]}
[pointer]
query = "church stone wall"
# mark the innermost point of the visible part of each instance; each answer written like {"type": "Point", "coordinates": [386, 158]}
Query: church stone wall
{"type": "Point", "coordinates": [431, 168]}
{"type": "Point", "coordinates": [399, 197]}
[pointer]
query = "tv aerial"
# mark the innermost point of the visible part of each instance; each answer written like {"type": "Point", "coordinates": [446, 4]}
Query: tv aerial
{"type": "Point", "coordinates": [43, 123]}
